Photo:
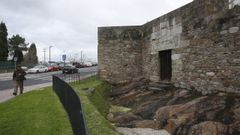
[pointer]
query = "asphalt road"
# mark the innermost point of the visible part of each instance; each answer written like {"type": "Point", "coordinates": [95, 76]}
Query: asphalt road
{"type": "Point", "coordinates": [6, 81]}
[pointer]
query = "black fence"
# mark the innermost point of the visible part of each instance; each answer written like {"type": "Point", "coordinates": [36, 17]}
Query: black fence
{"type": "Point", "coordinates": [72, 104]}
{"type": "Point", "coordinates": [75, 78]}
{"type": "Point", "coordinates": [6, 66]}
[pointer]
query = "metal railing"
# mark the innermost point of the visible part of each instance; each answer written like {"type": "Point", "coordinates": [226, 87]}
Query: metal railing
{"type": "Point", "coordinates": [72, 104]}
{"type": "Point", "coordinates": [6, 66]}
{"type": "Point", "coordinates": [75, 78]}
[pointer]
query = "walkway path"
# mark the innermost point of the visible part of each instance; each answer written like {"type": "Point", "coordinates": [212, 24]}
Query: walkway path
{"type": "Point", "coordinates": [142, 131]}
{"type": "Point", "coordinates": [7, 94]}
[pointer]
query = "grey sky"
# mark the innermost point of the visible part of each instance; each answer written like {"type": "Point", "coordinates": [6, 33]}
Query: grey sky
{"type": "Point", "coordinates": [71, 25]}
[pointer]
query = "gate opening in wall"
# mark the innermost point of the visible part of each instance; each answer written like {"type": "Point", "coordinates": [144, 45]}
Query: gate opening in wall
{"type": "Point", "coordinates": [165, 65]}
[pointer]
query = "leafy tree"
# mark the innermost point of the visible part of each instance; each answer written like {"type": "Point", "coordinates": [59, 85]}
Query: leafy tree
{"type": "Point", "coordinates": [18, 53]}
{"type": "Point", "coordinates": [17, 45]}
{"type": "Point", "coordinates": [3, 42]}
{"type": "Point", "coordinates": [31, 57]}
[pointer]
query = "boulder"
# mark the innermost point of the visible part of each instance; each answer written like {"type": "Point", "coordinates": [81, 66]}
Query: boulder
{"type": "Point", "coordinates": [236, 111]}
{"type": "Point", "coordinates": [173, 124]}
{"type": "Point", "coordinates": [208, 128]}
{"type": "Point", "coordinates": [148, 108]}
{"type": "Point", "coordinates": [235, 127]}
{"type": "Point", "coordinates": [127, 99]}
{"type": "Point", "coordinates": [123, 118]}
{"type": "Point", "coordinates": [198, 110]}
{"type": "Point", "coordinates": [89, 90]}
{"type": "Point", "coordinates": [145, 124]}
{"type": "Point", "coordinates": [136, 83]}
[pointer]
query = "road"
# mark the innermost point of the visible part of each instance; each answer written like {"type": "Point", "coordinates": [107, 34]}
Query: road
{"type": "Point", "coordinates": [34, 81]}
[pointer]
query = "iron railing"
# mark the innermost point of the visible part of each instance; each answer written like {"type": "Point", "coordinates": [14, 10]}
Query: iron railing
{"type": "Point", "coordinates": [74, 78]}
{"type": "Point", "coordinates": [72, 104]}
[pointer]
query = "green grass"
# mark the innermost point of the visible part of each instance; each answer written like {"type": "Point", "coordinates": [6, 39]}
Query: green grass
{"type": "Point", "coordinates": [41, 113]}
{"type": "Point", "coordinates": [34, 113]}
{"type": "Point", "coordinates": [96, 107]}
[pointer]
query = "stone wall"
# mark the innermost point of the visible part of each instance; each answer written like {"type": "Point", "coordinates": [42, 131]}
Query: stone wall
{"type": "Point", "coordinates": [213, 60]}
{"type": "Point", "coordinates": [203, 37]}
{"type": "Point", "coordinates": [173, 31]}
{"type": "Point", "coordinates": [119, 53]}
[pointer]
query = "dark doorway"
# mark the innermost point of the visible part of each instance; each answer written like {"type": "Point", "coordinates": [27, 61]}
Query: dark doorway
{"type": "Point", "coordinates": [165, 65]}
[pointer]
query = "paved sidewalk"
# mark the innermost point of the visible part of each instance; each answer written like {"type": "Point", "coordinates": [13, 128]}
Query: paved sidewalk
{"type": "Point", "coordinates": [7, 94]}
{"type": "Point", "coordinates": [5, 74]}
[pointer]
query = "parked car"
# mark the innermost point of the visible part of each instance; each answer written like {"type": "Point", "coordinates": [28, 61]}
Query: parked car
{"type": "Point", "coordinates": [53, 68]}
{"type": "Point", "coordinates": [76, 64]}
{"type": "Point", "coordinates": [94, 63]}
{"type": "Point", "coordinates": [61, 65]}
{"type": "Point", "coordinates": [88, 64]}
{"type": "Point", "coordinates": [24, 68]}
{"type": "Point", "coordinates": [38, 69]}
{"type": "Point", "coordinates": [69, 69]}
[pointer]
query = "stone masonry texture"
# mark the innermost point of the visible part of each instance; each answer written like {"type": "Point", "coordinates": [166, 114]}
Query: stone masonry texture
{"type": "Point", "coordinates": [204, 39]}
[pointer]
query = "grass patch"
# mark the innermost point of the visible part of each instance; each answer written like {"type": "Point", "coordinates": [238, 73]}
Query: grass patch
{"type": "Point", "coordinates": [41, 113]}
{"type": "Point", "coordinates": [96, 107]}
{"type": "Point", "coordinates": [34, 113]}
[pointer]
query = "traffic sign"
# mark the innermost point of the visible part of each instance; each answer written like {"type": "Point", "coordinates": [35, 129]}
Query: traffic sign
{"type": "Point", "coordinates": [64, 56]}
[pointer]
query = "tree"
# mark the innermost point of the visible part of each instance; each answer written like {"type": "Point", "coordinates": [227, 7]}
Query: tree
{"type": "Point", "coordinates": [3, 42]}
{"type": "Point", "coordinates": [31, 57]}
{"type": "Point", "coordinates": [17, 45]}
{"type": "Point", "coordinates": [73, 57]}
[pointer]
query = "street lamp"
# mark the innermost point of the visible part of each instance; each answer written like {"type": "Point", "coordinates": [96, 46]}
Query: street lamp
{"type": "Point", "coordinates": [50, 54]}
{"type": "Point", "coordinates": [44, 59]}
{"type": "Point", "coordinates": [15, 61]}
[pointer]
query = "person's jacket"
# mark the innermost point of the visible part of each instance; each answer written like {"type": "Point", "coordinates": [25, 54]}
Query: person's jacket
{"type": "Point", "coordinates": [19, 75]}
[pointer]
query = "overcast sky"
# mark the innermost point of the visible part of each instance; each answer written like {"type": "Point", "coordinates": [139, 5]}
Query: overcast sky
{"type": "Point", "coordinates": [71, 25]}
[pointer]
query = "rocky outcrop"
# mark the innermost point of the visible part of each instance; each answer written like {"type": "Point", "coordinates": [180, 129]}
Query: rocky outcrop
{"type": "Point", "coordinates": [178, 111]}
{"type": "Point", "coordinates": [123, 118]}
{"type": "Point", "coordinates": [235, 127]}
{"type": "Point", "coordinates": [208, 128]}
{"type": "Point", "coordinates": [172, 118]}
{"type": "Point", "coordinates": [146, 124]}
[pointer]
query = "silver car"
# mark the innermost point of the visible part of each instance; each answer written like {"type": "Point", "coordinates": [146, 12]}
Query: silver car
{"type": "Point", "coordinates": [38, 69]}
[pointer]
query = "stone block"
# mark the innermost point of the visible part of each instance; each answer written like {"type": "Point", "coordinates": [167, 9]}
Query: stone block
{"type": "Point", "coordinates": [210, 74]}
{"type": "Point", "coordinates": [233, 29]}
{"type": "Point", "coordinates": [223, 32]}
{"type": "Point", "coordinates": [177, 30]}
{"type": "Point", "coordinates": [176, 56]}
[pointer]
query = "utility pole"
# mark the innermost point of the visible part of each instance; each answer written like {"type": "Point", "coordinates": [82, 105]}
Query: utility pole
{"type": "Point", "coordinates": [44, 51]}
{"type": "Point", "coordinates": [49, 54]}
{"type": "Point", "coordinates": [81, 58]}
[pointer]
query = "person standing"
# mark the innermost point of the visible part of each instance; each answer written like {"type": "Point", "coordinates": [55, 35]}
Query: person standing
{"type": "Point", "coordinates": [19, 77]}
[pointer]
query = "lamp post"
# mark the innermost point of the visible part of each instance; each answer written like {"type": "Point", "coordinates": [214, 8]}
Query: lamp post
{"type": "Point", "coordinates": [50, 54]}
{"type": "Point", "coordinates": [44, 51]}
{"type": "Point", "coordinates": [15, 61]}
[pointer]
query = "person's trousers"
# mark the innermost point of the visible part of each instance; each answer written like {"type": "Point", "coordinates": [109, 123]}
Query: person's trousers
{"type": "Point", "coordinates": [19, 84]}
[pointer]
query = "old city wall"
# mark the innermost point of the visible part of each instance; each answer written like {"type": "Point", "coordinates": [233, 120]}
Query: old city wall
{"type": "Point", "coordinates": [119, 53]}
{"type": "Point", "coordinates": [177, 31]}
{"type": "Point", "coordinates": [213, 60]}
{"type": "Point", "coordinates": [164, 33]}
{"type": "Point", "coordinates": [203, 37]}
